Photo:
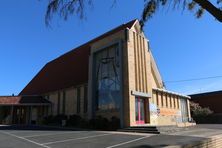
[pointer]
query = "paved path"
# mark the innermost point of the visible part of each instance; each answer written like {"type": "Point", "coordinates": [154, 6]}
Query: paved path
{"type": "Point", "coordinates": [36, 137]}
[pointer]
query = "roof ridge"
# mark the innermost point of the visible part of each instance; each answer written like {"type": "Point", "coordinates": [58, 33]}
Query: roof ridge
{"type": "Point", "coordinates": [96, 38]}
{"type": "Point", "coordinates": [57, 74]}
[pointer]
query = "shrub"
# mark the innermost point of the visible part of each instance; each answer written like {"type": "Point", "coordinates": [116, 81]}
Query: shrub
{"type": "Point", "coordinates": [114, 123]}
{"type": "Point", "coordinates": [84, 123]}
{"type": "Point", "coordinates": [200, 114]}
{"type": "Point", "coordinates": [197, 110]}
{"type": "Point", "coordinates": [54, 120]}
{"type": "Point", "coordinates": [74, 120]}
{"type": "Point", "coordinates": [61, 117]}
{"type": "Point", "coordinates": [47, 120]}
{"type": "Point", "coordinates": [100, 123]}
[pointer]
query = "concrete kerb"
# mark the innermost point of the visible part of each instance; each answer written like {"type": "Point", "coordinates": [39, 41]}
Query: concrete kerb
{"type": "Point", "coordinates": [80, 129]}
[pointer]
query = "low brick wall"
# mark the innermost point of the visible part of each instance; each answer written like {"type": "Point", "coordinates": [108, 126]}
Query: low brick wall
{"type": "Point", "coordinates": [211, 142]}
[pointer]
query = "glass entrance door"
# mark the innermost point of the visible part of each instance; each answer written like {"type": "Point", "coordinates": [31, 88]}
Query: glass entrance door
{"type": "Point", "coordinates": [139, 110]}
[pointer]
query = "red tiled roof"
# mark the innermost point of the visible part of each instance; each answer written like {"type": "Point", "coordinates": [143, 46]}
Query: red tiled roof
{"type": "Point", "coordinates": [68, 70]}
{"type": "Point", "coordinates": [9, 100]}
{"type": "Point", "coordinates": [22, 100]}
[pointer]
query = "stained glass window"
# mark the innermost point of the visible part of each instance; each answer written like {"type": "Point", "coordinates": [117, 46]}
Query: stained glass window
{"type": "Point", "coordinates": [108, 93]}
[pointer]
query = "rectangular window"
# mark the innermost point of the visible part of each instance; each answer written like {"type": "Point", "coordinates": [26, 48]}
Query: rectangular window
{"type": "Point", "coordinates": [58, 104]}
{"type": "Point", "coordinates": [64, 103]}
{"type": "Point", "coordinates": [85, 99]}
{"type": "Point", "coordinates": [78, 100]}
{"type": "Point", "coordinates": [107, 74]}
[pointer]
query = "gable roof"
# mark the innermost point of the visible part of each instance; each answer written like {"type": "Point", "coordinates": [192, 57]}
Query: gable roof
{"type": "Point", "coordinates": [68, 70]}
{"type": "Point", "coordinates": [206, 94]}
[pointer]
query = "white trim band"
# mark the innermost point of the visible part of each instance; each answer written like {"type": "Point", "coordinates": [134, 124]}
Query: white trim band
{"type": "Point", "coordinates": [141, 94]}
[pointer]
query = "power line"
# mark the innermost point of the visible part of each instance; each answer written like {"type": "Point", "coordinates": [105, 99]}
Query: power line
{"type": "Point", "coordinates": [194, 79]}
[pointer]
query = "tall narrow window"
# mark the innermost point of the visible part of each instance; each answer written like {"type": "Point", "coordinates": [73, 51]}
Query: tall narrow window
{"type": "Point", "coordinates": [174, 101]}
{"type": "Point", "coordinates": [85, 99]}
{"type": "Point", "coordinates": [58, 104]}
{"type": "Point", "coordinates": [107, 78]}
{"type": "Point", "coordinates": [170, 100]}
{"type": "Point", "coordinates": [166, 97]}
{"type": "Point", "coordinates": [162, 103]}
{"type": "Point", "coordinates": [178, 104]}
{"type": "Point", "coordinates": [64, 103]}
{"type": "Point", "coordinates": [78, 100]}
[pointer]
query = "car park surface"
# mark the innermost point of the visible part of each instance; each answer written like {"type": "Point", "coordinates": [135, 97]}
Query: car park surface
{"type": "Point", "coordinates": [45, 137]}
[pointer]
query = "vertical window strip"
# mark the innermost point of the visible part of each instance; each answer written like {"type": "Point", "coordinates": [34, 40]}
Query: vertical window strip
{"type": "Point", "coordinates": [176, 105]}
{"type": "Point", "coordinates": [160, 99]}
{"type": "Point", "coordinates": [166, 97]}
{"type": "Point", "coordinates": [64, 103]}
{"type": "Point", "coordinates": [157, 99]}
{"type": "Point", "coordinates": [145, 64]}
{"type": "Point", "coordinates": [58, 104]}
{"type": "Point", "coordinates": [170, 98]}
{"type": "Point", "coordinates": [142, 64]}
{"type": "Point", "coordinates": [162, 103]}
{"type": "Point", "coordinates": [85, 99]}
{"type": "Point", "coordinates": [178, 99]}
{"type": "Point", "coordinates": [135, 59]}
{"type": "Point", "coordinates": [78, 100]}
{"type": "Point", "coordinates": [139, 62]}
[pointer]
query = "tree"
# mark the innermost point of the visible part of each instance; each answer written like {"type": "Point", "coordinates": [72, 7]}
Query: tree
{"type": "Point", "coordinates": [199, 6]}
{"type": "Point", "coordinates": [77, 7]}
{"type": "Point", "coordinates": [197, 110]}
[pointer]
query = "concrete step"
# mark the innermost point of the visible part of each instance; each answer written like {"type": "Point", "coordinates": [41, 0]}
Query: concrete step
{"type": "Point", "coordinates": [141, 129]}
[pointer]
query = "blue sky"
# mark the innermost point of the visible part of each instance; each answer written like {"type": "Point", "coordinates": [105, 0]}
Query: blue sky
{"type": "Point", "coordinates": [183, 46]}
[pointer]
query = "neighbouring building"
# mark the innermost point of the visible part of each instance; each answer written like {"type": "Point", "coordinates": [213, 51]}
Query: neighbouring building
{"type": "Point", "coordinates": [114, 74]}
{"type": "Point", "coordinates": [212, 100]}
{"type": "Point", "coordinates": [22, 109]}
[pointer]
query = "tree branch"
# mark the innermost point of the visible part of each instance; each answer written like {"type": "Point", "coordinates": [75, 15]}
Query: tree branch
{"type": "Point", "coordinates": [216, 12]}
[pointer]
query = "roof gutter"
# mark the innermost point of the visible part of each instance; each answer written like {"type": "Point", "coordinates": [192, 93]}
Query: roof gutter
{"type": "Point", "coordinates": [173, 93]}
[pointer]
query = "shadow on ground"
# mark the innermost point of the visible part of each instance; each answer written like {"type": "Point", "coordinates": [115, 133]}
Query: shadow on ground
{"type": "Point", "coordinates": [40, 128]}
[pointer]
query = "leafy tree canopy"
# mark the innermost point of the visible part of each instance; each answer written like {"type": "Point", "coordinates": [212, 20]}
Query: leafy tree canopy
{"type": "Point", "coordinates": [77, 7]}
{"type": "Point", "coordinates": [197, 110]}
